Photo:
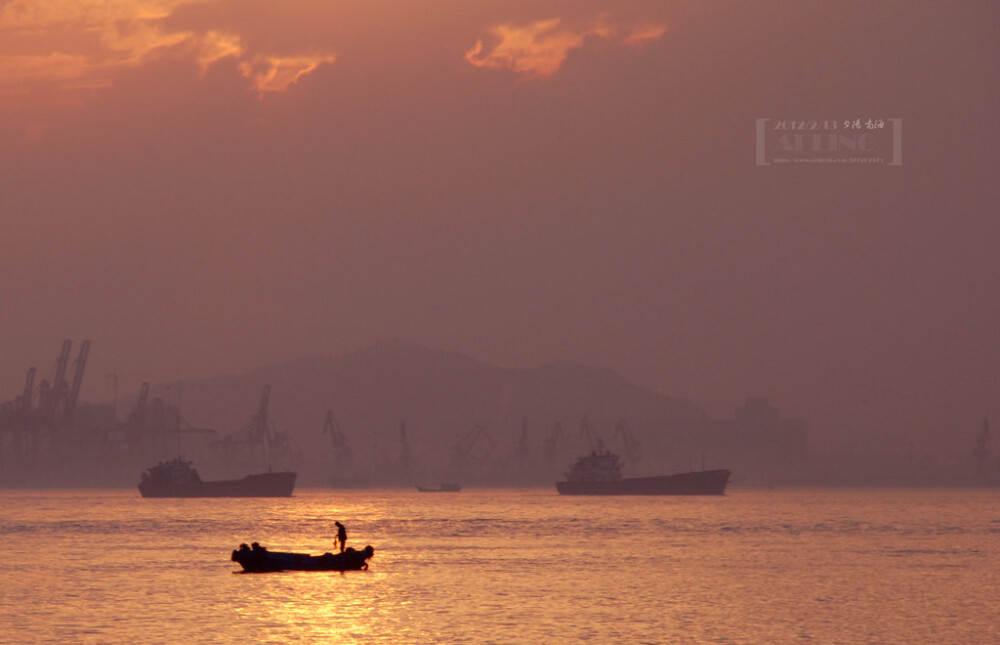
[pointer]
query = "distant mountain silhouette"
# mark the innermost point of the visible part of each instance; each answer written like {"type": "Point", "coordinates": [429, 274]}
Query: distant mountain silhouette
{"type": "Point", "coordinates": [442, 396]}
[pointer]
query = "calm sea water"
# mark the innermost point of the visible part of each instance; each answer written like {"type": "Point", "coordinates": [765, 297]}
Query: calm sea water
{"type": "Point", "coordinates": [507, 566]}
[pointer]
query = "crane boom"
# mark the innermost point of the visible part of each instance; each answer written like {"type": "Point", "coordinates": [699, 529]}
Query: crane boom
{"type": "Point", "coordinates": [552, 443]}
{"type": "Point", "coordinates": [341, 446]}
{"type": "Point", "coordinates": [405, 456]}
{"type": "Point", "coordinates": [29, 388]}
{"type": "Point", "coordinates": [52, 393]}
{"type": "Point", "coordinates": [60, 378]}
{"type": "Point", "coordinates": [140, 407]}
{"type": "Point", "coordinates": [631, 443]}
{"type": "Point", "coordinates": [587, 430]}
{"type": "Point", "coordinates": [74, 392]}
{"type": "Point", "coordinates": [261, 420]}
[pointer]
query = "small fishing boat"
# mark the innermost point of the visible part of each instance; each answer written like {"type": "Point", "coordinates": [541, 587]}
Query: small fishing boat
{"type": "Point", "coordinates": [258, 559]}
{"type": "Point", "coordinates": [440, 488]}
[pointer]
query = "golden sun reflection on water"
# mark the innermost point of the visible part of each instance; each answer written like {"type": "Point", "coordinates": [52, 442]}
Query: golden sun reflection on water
{"type": "Point", "coordinates": [313, 607]}
{"type": "Point", "coordinates": [505, 566]}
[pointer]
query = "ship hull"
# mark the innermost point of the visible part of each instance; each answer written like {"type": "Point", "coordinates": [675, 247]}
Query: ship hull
{"type": "Point", "coordinates": [262, 560]}
{"type": "Point", "coordinates": [704, 482]}
{"type": "Point", "coordinates": [260, 485]}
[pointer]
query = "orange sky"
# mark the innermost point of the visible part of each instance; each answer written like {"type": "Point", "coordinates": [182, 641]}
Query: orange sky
{"type": "Point", "coordinates": [204, 186]}
{"type": "Point", "coordinates": [71, 47]}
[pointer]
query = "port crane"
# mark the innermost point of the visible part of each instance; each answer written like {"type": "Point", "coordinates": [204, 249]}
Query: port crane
{"type": "Point", "coordinates": [466, 445]}
{"type": "Point", "coordinates": [22, 418]}
{"type": "Point", "coordinates": [552, 444]}
{"type": "Point", "coordinates": [51, 393]}
{"type": "Point", "coordinates": [136, 424]}
{"type": "Point", "coordinates": [259, 433]}
{"type": "Point", "coordinates": [473, 448]}
{"type": "Point", "coordinates": [73, 394]}
{"type": "Point", "coordinates": [521, 452]}
{"type": "Point", "coordinates": [277, 443]}
{"type": "Point", "coordinates": [56, 398]}
{"type": "Point", "coordinates": [405, 453]}
{"type": "Point", "coordinates": [632, 445]}
{"type": "Point", "coordinates": [982, 451]}
{"type": "Point", "coordinates": [342, 457]}
{"type": "Point", "coordinates": [587, 432]}
{"type": "Point", "coordinates": [23, 402]}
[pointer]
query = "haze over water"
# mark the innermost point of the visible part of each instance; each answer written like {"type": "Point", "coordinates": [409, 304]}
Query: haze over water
{"type": "Point", "coordinates": [507, 566]}
{"type": "Point", "coordinates": [202, 187]}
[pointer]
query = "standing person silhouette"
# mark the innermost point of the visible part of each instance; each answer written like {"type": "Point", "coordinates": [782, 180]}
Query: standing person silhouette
{"type": "Point", "coordinates": [341, 535]}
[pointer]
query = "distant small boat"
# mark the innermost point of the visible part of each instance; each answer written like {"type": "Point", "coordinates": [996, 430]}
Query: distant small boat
{"type": "Point", "coordinates": [258, 559]}
{"type": "Point", "coordinates": [178, 478]}
{"type": "Point", "coordinates": [440, 488]}
{"type": "Point", "coordinates": [600, 474]}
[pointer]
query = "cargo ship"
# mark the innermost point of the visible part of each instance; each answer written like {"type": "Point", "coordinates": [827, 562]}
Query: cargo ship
{"type": "Point", "coordinates": [178, 478]}
{"type": "Point", "coordinates": [600, 473]}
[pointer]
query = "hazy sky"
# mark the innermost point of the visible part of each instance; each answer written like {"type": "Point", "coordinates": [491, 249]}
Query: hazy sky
{"type": "Point", "coordinates": [201, 187]}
